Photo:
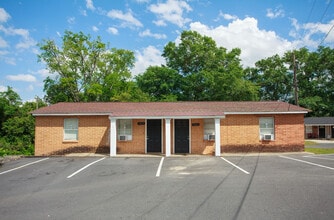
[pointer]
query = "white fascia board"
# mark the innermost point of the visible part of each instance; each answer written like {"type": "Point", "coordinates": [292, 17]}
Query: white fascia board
{"type": "Point", "coordinates": [162, 117]}
{"type": "Point", "coordinates": [264, 113]}
{"type": "Point", "coordinates": [73, 114]}
{"type": "Point", "coordinates": [319, 124]}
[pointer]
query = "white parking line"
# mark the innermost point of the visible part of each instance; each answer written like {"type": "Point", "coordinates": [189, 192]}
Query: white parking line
{"type": "Point", "coordinates": [160, 166]}
{"type": "Point", "coordinates": [303, 161]}
{"type": "Point", "coordinates": [319, 157]}
{"type": "Point", "coordinates": [7, 171]}
{"type": "Point", "coordinates": [235, 165]}
{"type": "Point", "coordinates": [88, 165]}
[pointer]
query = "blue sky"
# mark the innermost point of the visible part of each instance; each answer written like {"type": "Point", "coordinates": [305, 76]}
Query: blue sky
{"type": "Point", "coordinates": [261, 28]}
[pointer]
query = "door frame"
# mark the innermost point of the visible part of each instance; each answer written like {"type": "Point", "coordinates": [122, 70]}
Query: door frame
{"type": "Point", "coordinates": [162, 135]}
{"type": "Point", "coordinates": [324, 128]}
{"type": "Point", "coordinates": [189, 127]}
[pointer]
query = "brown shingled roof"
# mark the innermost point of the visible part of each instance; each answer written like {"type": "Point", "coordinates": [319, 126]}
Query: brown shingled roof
{"type": "Point", "coordinates": [167, 109]}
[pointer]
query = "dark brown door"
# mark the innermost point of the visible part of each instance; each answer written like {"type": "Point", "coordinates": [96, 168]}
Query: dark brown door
{"type": "Point", "coordinates": [181, 136]}
{"type": "Point", "coordinates": [153, 136]}
{"type": "Point", "coordinates": [322, 133]}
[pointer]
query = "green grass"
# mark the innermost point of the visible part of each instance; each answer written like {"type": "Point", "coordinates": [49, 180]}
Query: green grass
{"type": "Point", "coordinates": [310, 143]}
{"type": "Point", "coordinates": [320, 150]}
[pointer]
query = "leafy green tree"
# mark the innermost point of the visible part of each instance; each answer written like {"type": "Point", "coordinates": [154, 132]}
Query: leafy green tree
{"type": "Point", "coordinates": [315, 72]}
{"type": "Point", "coordinates": [9, 104]}
{"type": "Point", "coordinates": [84, 69]}
{"type": "Point", "coordinates": [17, 124]}
{"type": "Point", "coordinates": [131, 93]}
{"type": "Point", "coordinates": [209, 72]}
{"type": "Point", "coordinates": [160, 83]}
{"type": "Point", "coordinates": [273, 77]}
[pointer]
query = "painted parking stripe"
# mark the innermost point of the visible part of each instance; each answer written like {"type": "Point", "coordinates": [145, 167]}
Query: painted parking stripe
{"type": "Point", "coordinates": [319, 157]}
{"type": "Point", "coordinates": [304, 161]}
{"type": "Point", "coordinates": [7, 171]}
{"type": "Point", "coordinates": [160, 166]}
{"type": "Point", "coordinates": [235, 165]}
{"type": "Point", "coordinates": [85, 167]}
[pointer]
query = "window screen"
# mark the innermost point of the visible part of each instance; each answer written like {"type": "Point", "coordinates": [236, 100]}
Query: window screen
{"type": "Point", "coordinates": [71, 129]}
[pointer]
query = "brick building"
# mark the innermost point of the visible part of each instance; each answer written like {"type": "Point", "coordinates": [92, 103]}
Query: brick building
{"type": "Point", "coordinates": [169, 128]}
{"type": "Point", "coordinates": [319, 127]}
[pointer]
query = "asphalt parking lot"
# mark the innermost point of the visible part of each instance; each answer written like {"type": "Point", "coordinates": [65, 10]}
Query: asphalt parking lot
{"type": "Point", "coordinates": [276, 186]}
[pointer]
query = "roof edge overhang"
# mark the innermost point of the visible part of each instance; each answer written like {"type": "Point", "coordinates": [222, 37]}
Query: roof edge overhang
{"type": "Point", "coordinates": [319, 124]}
{"type": "Point", "coordinates": [265, 113]}
{"type": "Point", "coordinates": [166, 117]}
{"type": "Point", "coordinates": [169, 116]}
{"type": "Point", "coordinates": [134, 116]}
{"type": "Point", "coordinates": [72, 114]}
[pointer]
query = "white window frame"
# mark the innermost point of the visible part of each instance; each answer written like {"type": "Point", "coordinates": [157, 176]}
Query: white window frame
{"type": "Point", "coordinates": [124, 129]}
{"type": "Point", "coordinates": [267, 127]}
{"type": "Point", "coordinates": [209, 128]}
{"type": "Point", "coordinates": [71, 128]}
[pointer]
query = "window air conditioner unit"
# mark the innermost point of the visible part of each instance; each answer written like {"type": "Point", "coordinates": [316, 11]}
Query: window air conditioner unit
{"type": "Point", "coordinates": [122, 137]}
{"type": "Point", "coordinates": [211, 137]}
{"type": "Point", "coordinates": [267, 137]}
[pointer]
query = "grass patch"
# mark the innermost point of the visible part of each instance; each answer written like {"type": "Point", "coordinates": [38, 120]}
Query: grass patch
{"type": "Point", "coordinates": [320, 150]}
{"type": "Point", "coordinates": [310, 143]}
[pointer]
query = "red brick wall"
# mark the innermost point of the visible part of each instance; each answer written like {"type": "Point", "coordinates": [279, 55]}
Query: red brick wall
{"type": "Point", "coordinates": [241, 133]}
{"type": "Point", "coordinates": [198, 144]}
{"type": "Point", "coordinates": [93, 135]}
{"type": "Point", "coordinates": [137, 144]}
{"type": "Point", "coordinates": [238, 133]}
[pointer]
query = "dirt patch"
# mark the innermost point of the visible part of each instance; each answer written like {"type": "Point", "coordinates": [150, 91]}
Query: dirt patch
{"type": "Point", "coordinates": [6, 159]}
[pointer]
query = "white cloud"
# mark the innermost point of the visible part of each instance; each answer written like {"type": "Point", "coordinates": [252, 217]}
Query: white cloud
{"type": "Point", "coordinates": [275, 13]}
{"type": "Point", "coordinates": [22, 77]}
{"type": "Point", "coordinates": [171, 11]}
{"type": "Point", "coordinates": [14, 31]}
{"type": "Point", "coordinates": [26, 41]}
{"type": "Point", "coordinates": [10, 60]}
{"type": "Point", "coordinates": [90, 5]}
{"type": "Point", "coordinates": [255, 44]}
{"type": "Point", "coordinates": [95, 29]}
{"type": "Point", "coordinates": [4, 16]}
{"type": "Point", "coordinates": [128, 20]}
{"type": "Point", "coordinates": [71, 20]}
{"type": "Point", "coordinates": [112, 30]}
{"type": "Point", "coordinates": [4, 52]}
{"type": "Point", "coordinates": [319, 28]}
{"type": "Point", "coordinates": [83, 12]}
{"type": "Point", "coordinates": [160, 23]}
{"type": "Point", "coordinates": [44, 73]}
{"type": "Point", "coordinates": [229, 17]}
{"type": "Point", "coordinates": [311, 34]}
{"type": "Point", "coordinates": [3, 88]}
{"type": "Point", "coordinates": [3, 43]}
{"type": "Point", "coordinates": [150, 56]}
{"type": "Point", "coordinates": [30, 88]}
{"type": "Point", "coordinates": [225, 16]}
{"type": "Point", "coordinates": [148, 33]}
{"type": "Point", "coordinates": [143, 1]}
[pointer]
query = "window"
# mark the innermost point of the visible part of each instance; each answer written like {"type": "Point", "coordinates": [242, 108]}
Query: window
{"type": "Point", "coordinates": [124, 129]}
{"type": "Point", "coordinates": [267, 129]}
{"type": "Point", "coordinates": [209, 129]}
{"type": "Point", "coordinates": [71, 129]}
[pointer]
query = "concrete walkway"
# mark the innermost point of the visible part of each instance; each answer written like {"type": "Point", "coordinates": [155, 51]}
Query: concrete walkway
{"type": "Point", "coordinates": [321, 143]}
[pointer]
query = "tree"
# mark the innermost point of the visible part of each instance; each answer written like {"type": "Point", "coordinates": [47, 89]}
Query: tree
{"type": "Point", "coordinates": [209, 72]}
{"type": "Point", "coordinates": [160, 83]}
{"type": "Point", "coordinates": [273, 77]}
{"type": "Point", "coordinates": [84, 69]}
{"type": "Point", "coordinates": [16, 124]}
{"type": "Point", "coordinates": [315, 74]}
{"type": "Point", "coordinates": [315, 79]}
